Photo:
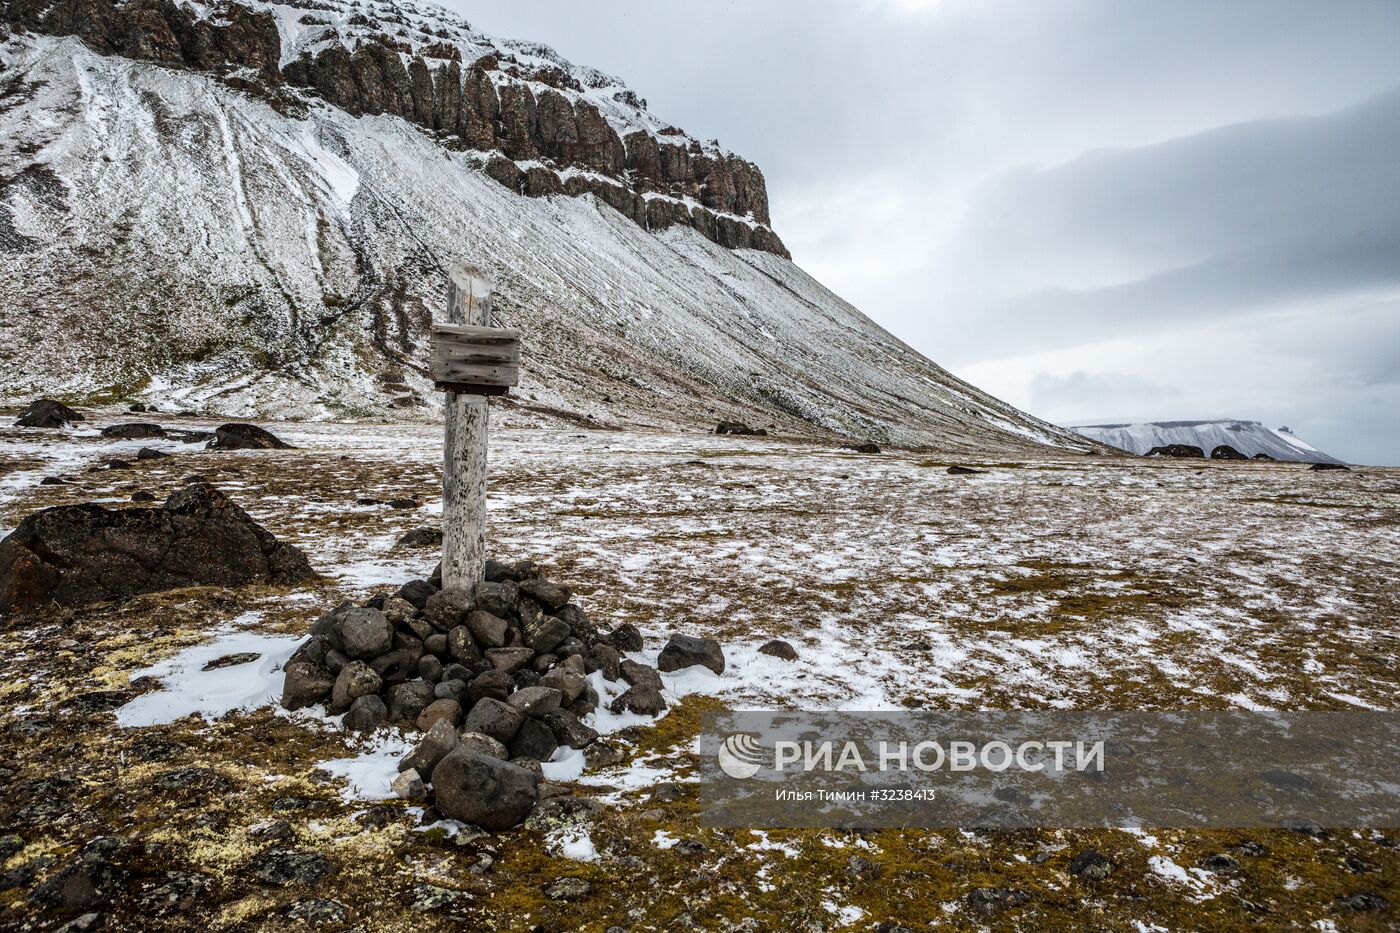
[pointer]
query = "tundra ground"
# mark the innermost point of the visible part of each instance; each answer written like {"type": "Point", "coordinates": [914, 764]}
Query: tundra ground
{"type": "Point", "coordinates": [1076, 582]}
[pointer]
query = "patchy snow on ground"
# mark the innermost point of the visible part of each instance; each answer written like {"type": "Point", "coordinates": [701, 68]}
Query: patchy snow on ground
{"type": "Point", "coordinates": [190, 688]}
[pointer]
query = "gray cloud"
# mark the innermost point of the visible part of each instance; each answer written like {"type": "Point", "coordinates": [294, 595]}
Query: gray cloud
{"type": "Point", "coordinates": [1048, 197]}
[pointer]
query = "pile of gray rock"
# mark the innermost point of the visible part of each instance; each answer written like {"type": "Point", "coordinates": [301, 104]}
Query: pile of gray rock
{"type": "Point", "coordinates": [496, 677]}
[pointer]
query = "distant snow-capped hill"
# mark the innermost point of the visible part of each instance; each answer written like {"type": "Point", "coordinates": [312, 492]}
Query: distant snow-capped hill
{"type": "Point", "coordinates": [1247, 437]}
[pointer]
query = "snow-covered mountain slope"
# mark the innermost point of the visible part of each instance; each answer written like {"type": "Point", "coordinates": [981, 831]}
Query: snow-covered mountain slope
{"type": "Point", "coordinates": [1248, 437]}
{"type": "Point", "coordinates": [166, 237]}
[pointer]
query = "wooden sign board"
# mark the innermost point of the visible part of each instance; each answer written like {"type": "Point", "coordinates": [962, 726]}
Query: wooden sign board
{"type": "Point", "coordinates": [474, 360]}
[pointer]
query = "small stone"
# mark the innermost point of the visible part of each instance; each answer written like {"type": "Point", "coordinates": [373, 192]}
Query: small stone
{"type": "Point", "coordinates": [429, 898]}
{"type": "Point", "coordinates": [603, 754]}
{"type": "Point", "coordinates": [570, 685]}
{"type": "Point", "coordinates": [643, 699]}
{"type": "Point", "coordinates": [336, 661]}
{"type": "Point", "coordinates": [567, 889]}
{"type": "Point", "coordinates": [994, 900]}
{"type": "Point", "coordinates": [231, 660]}
{"type": "Point", "coordinates": [272, 830]}
{"type": "Point", "coordinates": [491, 717]}
{"type": "Point", "coordinates": [484, 745]}
{"type": "Point", "coordinates": [570, 647]}
{"type": "Point", "coordinates": [567, 729]}
{"type": "Point", "coordinates": [445, 609]}
{"type": "Point", "coordinates": [402, 502]}
{"type": "Point", "coordinates": [305, 684]}
{"type": "Point", "coordinates": [585, 704]}
{"type": "Point", "coordinates": [777, 648]}
{"type": "Point", "coordinates": [534, 740]}
{"type": "Point", "coordinates": [551, 596]}
{"type": "Point", "coordinates": [1219, 864]}
{"type": "Point", "coordinates": [493, 683]}
{"type": "Point", "coordinates": [355, 680]}
{"type": "Point", "coordinates": [83, 884]}
{"type": "Point", "coordinates": [436, 644]}
{"type": "Point", "coordinates": [577, 621]}
{"type": "Point", "coordinates": [417, 592]}
{"type": "Point", "coordinates": [452, 690]}
{"type": "Point", "coordinates": [397, 666]}
{"type": "Point", "coordinates": [510, 659]}
{"type": "Point", "coordinates": [430, 668]}
{"type": "Point", "coordinates": [366, 633]}
{"type": "Point", "coordinates": [535, 700]}
{"type": "Point", "coordinates": [626, 637]}
{"type": "Point", "coordinates": [461, 646]}
{"type": "Point", "coordinates": [449, 711]}
{"type": "Point", "coordinates": [604, 658]}
{"type": "Point", "coordinates": [1090, 865]}
{"type": "Point", "coordinates": [400, 611]}
{"type": "Point", "coordinates": [409, 699]}
{"type": "Point", "coordinates": [421, 537]}
{"type": "Point", "coordinates": [637, 674]}
{"type": "Point", "coordinates": [496, 598]}
{"type": "Point", "coordinates": [142, 495]}
{"type": "Point", "coordinates": [1363, 901]}
{"type": "Point", "coordinates": [545, 633]}
{"type": "Point", "coordinates": [684, 651]}
{"type": "Point", "coordinates": [409, 785]}
{"type": "Point", "coordinates": [488, 630]}
{"type": "Point", "coordinates": [150, 453]}
{"type": "Point", "coordinates": [366, 714]}
{"type": "Point", "coordinates": [437, 743]}
{"type": "Point", "coordinates": [860, 868]}
{"type": "Point", "coordinates": [285, 866]}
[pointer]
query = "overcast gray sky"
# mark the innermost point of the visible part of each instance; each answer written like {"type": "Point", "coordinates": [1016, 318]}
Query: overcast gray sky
{"type": "Point", "coordinates": [1100, 211]}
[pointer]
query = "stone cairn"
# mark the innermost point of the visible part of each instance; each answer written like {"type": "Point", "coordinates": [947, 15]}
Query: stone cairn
{"type": "Point", "coordinates": [495, 678]}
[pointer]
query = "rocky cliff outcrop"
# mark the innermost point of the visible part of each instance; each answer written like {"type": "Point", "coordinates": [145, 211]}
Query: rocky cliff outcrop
{"type": "Point", "coordinates": [545, 129]}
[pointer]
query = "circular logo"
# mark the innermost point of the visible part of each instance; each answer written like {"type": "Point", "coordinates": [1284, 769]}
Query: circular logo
{"type": "Point", "coordinates": [740, 756]}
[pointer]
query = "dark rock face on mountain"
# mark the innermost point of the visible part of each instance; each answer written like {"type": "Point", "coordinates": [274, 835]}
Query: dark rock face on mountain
{"type": "Point", "coordinates": [1176, 450]}
{"type": "Point", "coordinates": [492, 104]}
{"type": "Point", "coordinates": [46, 413]}
{"type": "Point", "coordinates": [78, 554]}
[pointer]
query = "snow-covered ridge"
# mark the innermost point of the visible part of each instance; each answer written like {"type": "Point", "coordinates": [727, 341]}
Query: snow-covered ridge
{"type": "Point", "coordinates": [1248, 437]}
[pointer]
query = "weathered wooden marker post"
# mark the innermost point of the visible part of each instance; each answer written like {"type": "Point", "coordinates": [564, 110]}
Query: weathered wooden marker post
{"type": "Point", "coordinates": [470, 361]}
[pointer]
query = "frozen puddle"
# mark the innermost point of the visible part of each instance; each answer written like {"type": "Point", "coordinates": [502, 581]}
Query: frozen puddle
{"type": "Point", "coordinates": [187, 688]}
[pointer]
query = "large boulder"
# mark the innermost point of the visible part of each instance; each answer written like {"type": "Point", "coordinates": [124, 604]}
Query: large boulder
{"type": "Point", "coordinates": [46, 413]}
{"type": "Point", "coordinates": [78, 554]}
{"type": "Point", "coordinates": [241, 436]}
{"type": "Point", "coordinates": [684, 651]}
{"type": "Point", "coordinates": [1190, 451]}
{"type": "Point", "coordinates": [1226, 452]}
{"type": "Point", "coordinates": [482, 790]}
{"type": "Point", "coordinates": [132, 431]}
{"type": "Point", "coordinates": [365, 633]}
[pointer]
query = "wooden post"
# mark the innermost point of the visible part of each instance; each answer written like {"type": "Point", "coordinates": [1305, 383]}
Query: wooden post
{"type": "Point", "coordinates": [464, 449]}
